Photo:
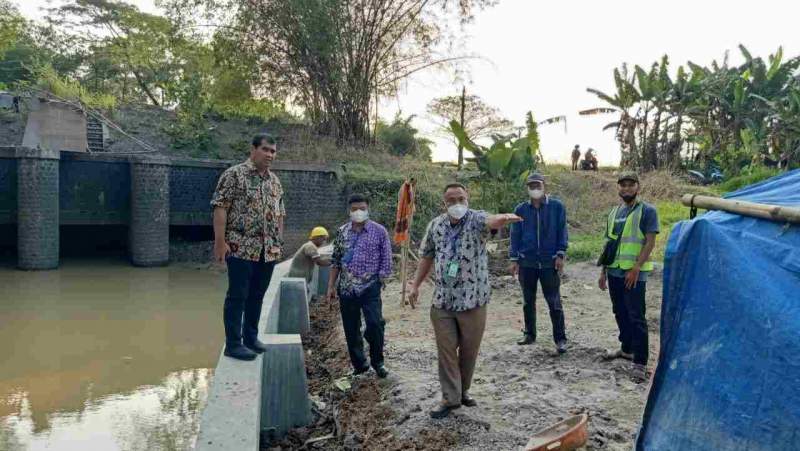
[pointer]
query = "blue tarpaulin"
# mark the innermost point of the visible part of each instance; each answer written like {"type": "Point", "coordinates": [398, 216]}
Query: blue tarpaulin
{"type": "Point", "coordinates": [728, 375]}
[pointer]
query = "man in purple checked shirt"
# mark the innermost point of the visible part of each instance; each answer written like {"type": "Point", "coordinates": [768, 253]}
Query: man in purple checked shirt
{"type": "Point", "coordinates": [361, 262]}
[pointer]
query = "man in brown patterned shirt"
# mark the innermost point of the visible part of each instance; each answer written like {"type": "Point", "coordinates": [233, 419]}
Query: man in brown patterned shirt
{"type": "Point", "coordinates": [248, 236]}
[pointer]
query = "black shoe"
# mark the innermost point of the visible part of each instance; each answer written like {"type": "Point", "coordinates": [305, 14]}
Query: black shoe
{"type": "Point", "coordinates": [469, 401]}
{"type": "Point", "coordinates": [256, 346]}
{"type": "Point", "coordinates": [527, 340]}
{"type": "Point", "coordinates": [442, 411]}
{"type": "Point", "coordinates": [381, 372]}
{"type": "Point", "coordinates": [360, 371]}
{"type": "Point", "coordinates": [561, 346]}
{"type": "Point", "coordinates": [239, 352]}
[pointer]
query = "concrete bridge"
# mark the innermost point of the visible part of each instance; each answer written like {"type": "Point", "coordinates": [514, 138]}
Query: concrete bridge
{"type": "Point", "coordinates": [41, 190]}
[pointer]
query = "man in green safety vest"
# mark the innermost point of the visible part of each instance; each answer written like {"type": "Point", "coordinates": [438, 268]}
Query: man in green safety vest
{"type": "Point", "coordinates": [631, 230]}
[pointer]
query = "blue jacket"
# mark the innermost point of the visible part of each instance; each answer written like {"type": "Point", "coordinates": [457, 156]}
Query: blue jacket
{"type": "Point", "coordinates": [542, 234]}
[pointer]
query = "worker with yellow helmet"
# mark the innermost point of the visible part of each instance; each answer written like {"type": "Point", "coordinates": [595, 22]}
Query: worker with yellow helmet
{"type": "Point", "coordinates": [308, 255]}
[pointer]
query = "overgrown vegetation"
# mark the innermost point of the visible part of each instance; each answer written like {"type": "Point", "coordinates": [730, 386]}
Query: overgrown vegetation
{"type": "Point", "coordinates": [738, 117]}
{"type": "Point", "coordinates": [753, 175]}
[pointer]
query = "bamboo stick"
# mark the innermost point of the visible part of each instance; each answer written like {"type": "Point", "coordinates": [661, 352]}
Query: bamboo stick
{"type": "Point", "coordinates": [403, 277]}
{"type": "Point", "coordinates": [765, 211]}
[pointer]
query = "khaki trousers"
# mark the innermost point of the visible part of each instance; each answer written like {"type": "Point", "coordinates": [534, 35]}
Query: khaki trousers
{"type": "Point", "coordinates": [458, 339]}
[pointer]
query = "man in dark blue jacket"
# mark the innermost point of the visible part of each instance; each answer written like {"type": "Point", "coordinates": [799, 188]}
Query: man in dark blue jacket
{"type": "Point", "coordinates": [537, 253]}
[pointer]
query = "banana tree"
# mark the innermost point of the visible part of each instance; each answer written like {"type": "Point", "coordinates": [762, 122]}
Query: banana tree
{"type": "Point", "coordinates": [509, 157]}
{"type": "Point", "coordinates": [505, 164]}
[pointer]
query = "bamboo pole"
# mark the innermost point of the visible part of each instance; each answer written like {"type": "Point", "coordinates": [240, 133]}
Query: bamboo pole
{"type": "Point", "coordinates": [764, 211]}
{"type": "Point", "coordinates": [403, 260]}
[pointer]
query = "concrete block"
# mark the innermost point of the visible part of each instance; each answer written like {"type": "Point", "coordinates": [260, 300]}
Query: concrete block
{"type": "Point", "coordinates": [293, 306]}
{"type": "Point", "coordinates": [56, 126]}
{"type": "Point", "coordinates": [323, 275]}
{"type": "Point", "coordinates": [268, 323]}
{"type": "Point", "coordinates": [284, 390]}
{"type": "Point", "coordinates": [232, 417]}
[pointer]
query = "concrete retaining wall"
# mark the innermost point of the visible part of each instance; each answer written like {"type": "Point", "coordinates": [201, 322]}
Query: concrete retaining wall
{"type": "Point", "coordinates": [268, 396]}
{"type": "Point", "coordinates": [106, 189]}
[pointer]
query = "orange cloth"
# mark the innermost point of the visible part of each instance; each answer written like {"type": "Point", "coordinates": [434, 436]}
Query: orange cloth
{"type": "Point", "coordinates": [405, 210]}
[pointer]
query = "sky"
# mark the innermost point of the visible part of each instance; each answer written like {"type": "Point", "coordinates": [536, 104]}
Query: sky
{"type": "Point", "coordinates": [541, 56]}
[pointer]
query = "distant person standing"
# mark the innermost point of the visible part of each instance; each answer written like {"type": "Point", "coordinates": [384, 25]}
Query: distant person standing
{"type": "Point", "coordinates": [537, 253]}
{"type": "Point", "coordinates": [630, 237]}
{"type": "Point", "coordinates": [248, 237]}
{"type": "Point", "coordinates": [576, 156]}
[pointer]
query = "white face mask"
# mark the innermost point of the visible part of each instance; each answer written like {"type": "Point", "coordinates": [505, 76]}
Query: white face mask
{"type": "Point", "coordinates": [359, 216]}
{"type": "Point", "coordinates": [536, 193]}
{"type": "Point", "coordinates": [457, 211]}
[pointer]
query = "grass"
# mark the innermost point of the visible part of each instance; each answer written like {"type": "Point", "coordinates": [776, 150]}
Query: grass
{"type": "Point", "coordinates": [588, 246]}
{"type": "Point", "coordinates": [755, 176]}
{"type": "Point", "coordinates": [584, 246]}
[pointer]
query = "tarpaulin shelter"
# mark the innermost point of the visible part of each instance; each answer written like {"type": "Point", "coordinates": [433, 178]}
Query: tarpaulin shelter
{"type": "Point", "coordinates": [728, 375]}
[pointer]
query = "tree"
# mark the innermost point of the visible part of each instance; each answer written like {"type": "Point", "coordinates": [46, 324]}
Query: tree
{"type": "Point", "coordinates": [401, 138]}
{"type": "Point", "coordinates": [332, 57]}
{"type": "Point", "coordinates": [11, 25]}
{"type": "Point", "coordinates": [477, 118]}
{"type": "Point", "coordinates": [129, 43]}
{"type": "Point", "coordinates": [734, 117]}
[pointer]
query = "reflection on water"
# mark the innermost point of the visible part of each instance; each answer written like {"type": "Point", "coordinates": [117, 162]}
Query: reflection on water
{"type": "Point", "coordinates": [161, 417]}
{"type": "Point", "coordinates": [102, 355]}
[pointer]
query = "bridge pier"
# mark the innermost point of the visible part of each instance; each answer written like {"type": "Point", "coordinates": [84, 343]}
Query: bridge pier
{"type": "Point", "coordinates": [149, 222]}
{"type": "Point", "coordinates": [37, 208]}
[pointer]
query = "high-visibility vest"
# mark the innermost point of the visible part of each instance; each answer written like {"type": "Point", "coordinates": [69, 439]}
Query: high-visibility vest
{"type": "Point", "coordinates": [632, 240]}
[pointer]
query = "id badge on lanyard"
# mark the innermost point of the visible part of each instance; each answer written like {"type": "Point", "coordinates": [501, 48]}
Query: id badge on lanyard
{"type": "Point", "coordinates": [452, 269]}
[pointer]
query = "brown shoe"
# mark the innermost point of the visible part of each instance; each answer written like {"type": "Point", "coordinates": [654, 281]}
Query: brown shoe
{"type": "Point", "coordinates": [442, 410]}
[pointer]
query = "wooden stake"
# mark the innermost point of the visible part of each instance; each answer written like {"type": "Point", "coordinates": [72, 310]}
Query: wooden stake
{"type": "Point", "coordinates": [765, 211]}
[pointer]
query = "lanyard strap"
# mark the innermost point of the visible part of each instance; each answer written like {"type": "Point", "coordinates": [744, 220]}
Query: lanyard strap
{"type": "Point", "coordinates": [453, 240]}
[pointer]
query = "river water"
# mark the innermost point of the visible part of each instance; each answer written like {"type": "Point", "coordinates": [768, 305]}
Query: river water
{"type": "Point", "coordinates": [100, 355]}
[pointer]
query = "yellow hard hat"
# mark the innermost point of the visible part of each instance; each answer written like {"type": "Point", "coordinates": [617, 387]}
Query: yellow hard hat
{"type": "Point", "coordinates": [318, 231]}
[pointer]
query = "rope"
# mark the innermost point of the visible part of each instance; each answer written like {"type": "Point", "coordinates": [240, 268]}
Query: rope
{"type": "Point", "coordinates": [692, 208]}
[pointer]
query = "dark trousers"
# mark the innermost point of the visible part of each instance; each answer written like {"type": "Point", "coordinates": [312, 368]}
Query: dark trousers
{"type": "Point", "coordinates": [369, 302]}
{"type": "Point", "coordinates": [629, 310]}
{"type": "Point", "coordinates": [247, 283]}
{"type": "Point", "coordinates": [551, 288]}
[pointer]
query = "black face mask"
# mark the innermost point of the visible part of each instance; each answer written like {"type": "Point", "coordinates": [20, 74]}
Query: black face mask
{"type": "Point", "coordinates": [628, 198]}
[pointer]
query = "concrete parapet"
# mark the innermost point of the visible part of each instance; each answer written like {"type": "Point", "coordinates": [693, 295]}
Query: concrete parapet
{"type": "Point", "coordinates": [284, 390]}
{"type": "Point", "coordinates": [37, 208]}
{"type": "Point", "coordinates": [232, 417]}
{"type": "Point", "coordinates": [293, 315]}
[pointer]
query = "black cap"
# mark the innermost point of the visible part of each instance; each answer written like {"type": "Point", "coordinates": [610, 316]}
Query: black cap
{"type": "Point", "coordinates": [534, 177]}
{"type": "Point", "coordinates": [628, 175]}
